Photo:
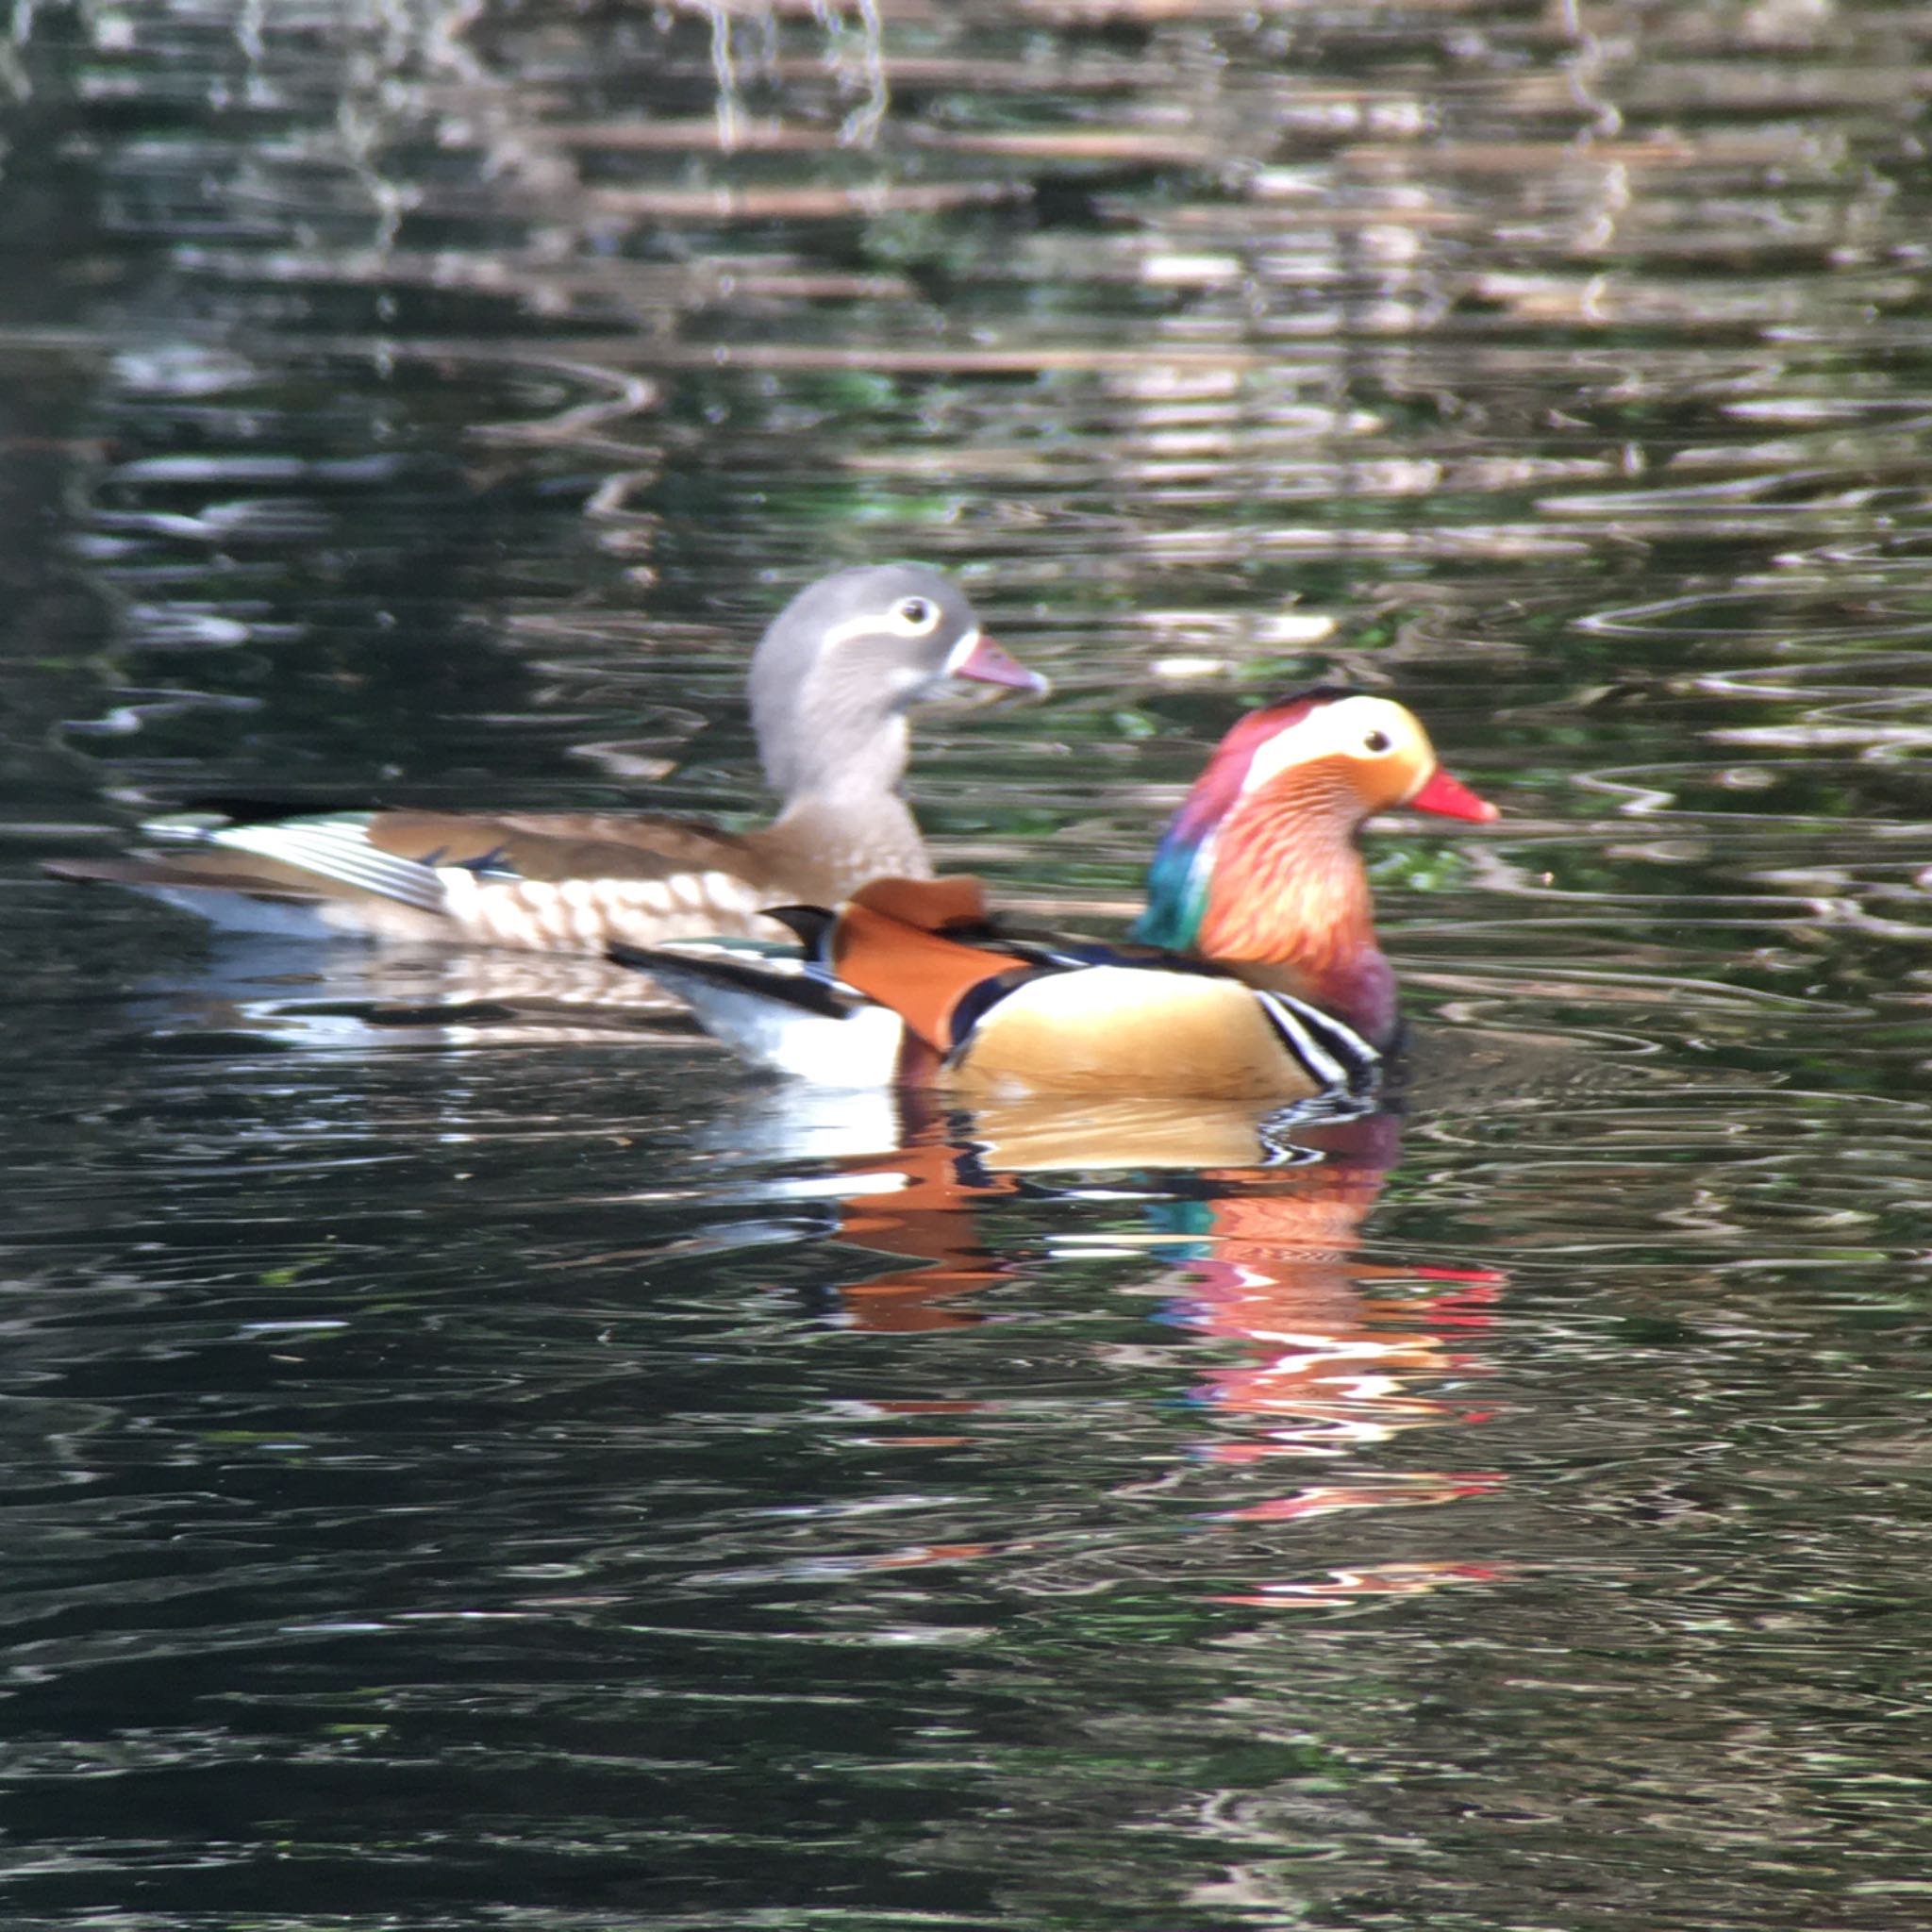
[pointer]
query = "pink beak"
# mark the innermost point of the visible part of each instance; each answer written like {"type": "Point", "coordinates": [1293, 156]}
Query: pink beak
{"type": "Point", "coordinates": [986, 663]}
{"type": "Point", "coordinates": [1453, 800]}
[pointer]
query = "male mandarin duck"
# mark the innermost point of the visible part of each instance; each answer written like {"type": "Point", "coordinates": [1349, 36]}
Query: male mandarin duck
{"type": "Point", "coordinates": [831, 684]}
{"type": "Point", "coordinates": [1259, 978]}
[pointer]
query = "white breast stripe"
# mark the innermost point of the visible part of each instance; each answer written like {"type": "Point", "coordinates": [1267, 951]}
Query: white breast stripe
{"type": "Point", "coordinates": [1335, 1055]}
{"type": "Point", "coordinates": [338, 849]}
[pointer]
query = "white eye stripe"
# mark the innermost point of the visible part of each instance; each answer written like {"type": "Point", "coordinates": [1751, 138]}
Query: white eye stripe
{"type": "Point", "coordinates": [1358, 727]}
{"type": "Point", "coordinates": [892, 622]}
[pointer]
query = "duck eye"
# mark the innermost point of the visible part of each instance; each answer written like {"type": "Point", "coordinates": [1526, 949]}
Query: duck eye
{"type": "Point", "coordinates": [1377, 742]}
{"type": "Point", "coordinates": [918, 614]}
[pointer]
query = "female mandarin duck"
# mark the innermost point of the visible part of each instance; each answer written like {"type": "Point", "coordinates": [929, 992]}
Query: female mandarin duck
{"type": "Point", "coordinates": [1263, 981]}
{"type": "Point", "coordinates": [831, 684]}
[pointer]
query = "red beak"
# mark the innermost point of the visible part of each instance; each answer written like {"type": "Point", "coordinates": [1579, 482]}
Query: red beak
{"type": "Point", "coordinates": [986, 663]}
{"type": "Point", "coordinates": [1453, 800]}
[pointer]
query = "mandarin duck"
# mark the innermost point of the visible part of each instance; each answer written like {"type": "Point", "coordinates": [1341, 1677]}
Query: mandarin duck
{"type": "Point", "coordinates": [1257, 977]}
{"type": "Point", "coordinates": [831, 684]}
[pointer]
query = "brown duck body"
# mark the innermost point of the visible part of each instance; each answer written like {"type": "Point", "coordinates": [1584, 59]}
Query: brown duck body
{"type": "Point", "coordinates": [530, 881]}
{"type": "Point", "coordinates": [831, 684]}
{"type": "Point", "coordinates": [581, 881]}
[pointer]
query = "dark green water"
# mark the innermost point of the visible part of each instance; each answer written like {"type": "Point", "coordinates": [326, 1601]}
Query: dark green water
{"type": "Point", "coordinates": [477, 1459]}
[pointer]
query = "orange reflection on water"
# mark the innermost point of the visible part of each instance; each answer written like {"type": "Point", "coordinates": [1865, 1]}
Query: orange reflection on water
{"type": "Point", "coordinates": [1266, 1235]}
{"type": "Point", "coordinates": [1274, 1266]}
{"type": "Point", "coordinates": [928, 1223]}
{"type": "Point", "coordinates": [1255, 1235]}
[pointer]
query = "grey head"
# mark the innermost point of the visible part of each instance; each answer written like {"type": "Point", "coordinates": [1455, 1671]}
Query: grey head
{"type": "Point", "coordinates": [841, 666]}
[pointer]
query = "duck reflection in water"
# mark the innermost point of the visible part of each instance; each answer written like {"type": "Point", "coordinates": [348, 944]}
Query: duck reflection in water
{"type": "Point", "coordinates": [1247, 1225]}
{"type": "Point", "coordinates": [1285, 1176]}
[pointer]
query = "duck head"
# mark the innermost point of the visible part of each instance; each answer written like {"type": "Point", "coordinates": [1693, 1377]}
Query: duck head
{"type": "Point", "coordinates": [1261, 863]}
{"type": "Point", "coordinates": [838, 668]}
